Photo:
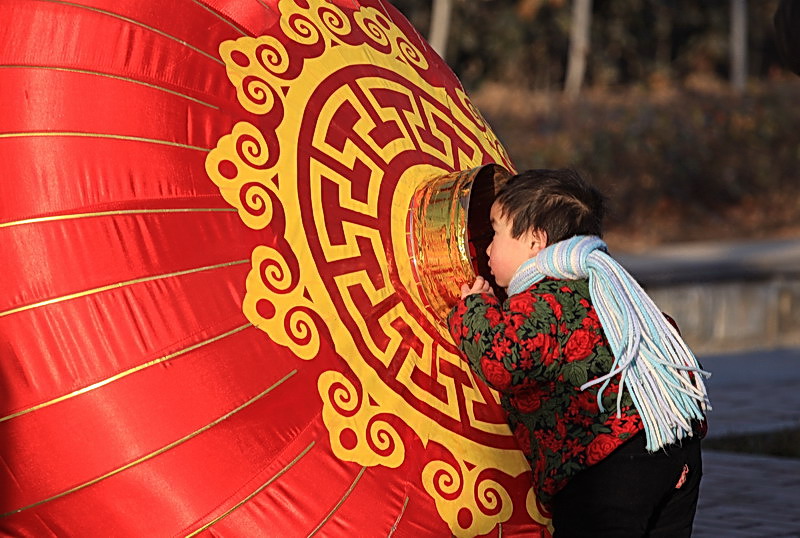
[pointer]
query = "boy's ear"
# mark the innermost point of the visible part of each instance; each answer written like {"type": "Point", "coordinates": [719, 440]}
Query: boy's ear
{"type": "Point", "coordinates": [538, 239]}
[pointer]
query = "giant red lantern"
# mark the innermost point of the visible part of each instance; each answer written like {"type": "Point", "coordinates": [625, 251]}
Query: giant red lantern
{"type": "Point", "coordinates": [213, 317]}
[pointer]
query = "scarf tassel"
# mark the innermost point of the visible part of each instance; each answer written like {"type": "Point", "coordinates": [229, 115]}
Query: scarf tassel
{"type": "Point", "coordinates": [660, 372]}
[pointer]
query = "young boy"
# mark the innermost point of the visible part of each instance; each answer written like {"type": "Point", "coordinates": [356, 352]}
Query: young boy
{"type": "Point", "coordinates": [601, 392]}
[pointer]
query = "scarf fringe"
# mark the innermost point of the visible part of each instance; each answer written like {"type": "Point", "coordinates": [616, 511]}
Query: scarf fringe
{"type": "Point", "coordinates": [661, 373]}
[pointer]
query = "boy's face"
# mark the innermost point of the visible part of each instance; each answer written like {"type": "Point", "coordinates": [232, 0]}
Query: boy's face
{"type": "Point", "coordinates": [507, 253]}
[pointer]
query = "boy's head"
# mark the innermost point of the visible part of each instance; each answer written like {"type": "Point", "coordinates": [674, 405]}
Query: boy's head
{"type": "Point", "coordinates": [535, 209]}
{"type": "Point", "coordinates": [558, 202]}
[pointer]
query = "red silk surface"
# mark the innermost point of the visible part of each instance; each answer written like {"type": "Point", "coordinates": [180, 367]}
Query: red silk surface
{"type": "Point", "coordinates": [136, 397]}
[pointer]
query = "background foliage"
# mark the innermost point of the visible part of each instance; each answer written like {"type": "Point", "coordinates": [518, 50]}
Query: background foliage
{"type": "Point", "coordinates": [524, 43]}
{"type": "Point", "coordinates": [688, 165]}
{"type": "Point", "coordinates": [680, 155]}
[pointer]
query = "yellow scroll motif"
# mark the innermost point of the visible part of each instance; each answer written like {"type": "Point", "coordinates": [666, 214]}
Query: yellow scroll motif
{"type": "Point", "coordinates": [238, 166]}
{"type": "Point", "coordinates": [314, 24]}
{"type": "Point", "coordinates": [533, 510]}
{"type": "Point", "coordinates": [251, 66]}
{"type": "Point", "coordinates": [357, 432]}
{"type": "Point", "coordinates": [385, 33]}
{"type": "Point", "coordinates": [277, 306]}
{"type": "Point", "coordinates": [470, 505]}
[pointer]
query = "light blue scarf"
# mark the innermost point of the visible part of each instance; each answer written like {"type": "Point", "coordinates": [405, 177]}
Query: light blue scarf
{"type": "Point", "coordinates": [649, 355]}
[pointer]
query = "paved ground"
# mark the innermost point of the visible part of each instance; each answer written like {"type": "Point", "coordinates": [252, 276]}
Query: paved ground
{"type": "Point", "coordinates": [744, 495]}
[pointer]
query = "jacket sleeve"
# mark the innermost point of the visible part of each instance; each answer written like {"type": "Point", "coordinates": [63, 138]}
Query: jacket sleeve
{"type": "Point", "coordinates": [499, 341]}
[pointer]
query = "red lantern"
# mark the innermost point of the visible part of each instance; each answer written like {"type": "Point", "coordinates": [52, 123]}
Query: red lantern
{"type": "Point", "coordinates": [211, 316]}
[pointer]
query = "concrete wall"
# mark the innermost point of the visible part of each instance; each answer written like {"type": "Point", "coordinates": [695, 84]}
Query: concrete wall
{"type": "Point", "coordinates": [734, 315]}
{"type": "Point", "coordinates": [726, 296]}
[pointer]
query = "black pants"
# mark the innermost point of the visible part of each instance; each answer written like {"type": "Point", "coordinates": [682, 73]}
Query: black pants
{"type": "Point", "coordinates": [632, 493]}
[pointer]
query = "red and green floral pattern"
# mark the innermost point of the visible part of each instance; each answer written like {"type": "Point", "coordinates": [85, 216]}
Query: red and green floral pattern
{"type": "Point", "coordinates": [537, 349]}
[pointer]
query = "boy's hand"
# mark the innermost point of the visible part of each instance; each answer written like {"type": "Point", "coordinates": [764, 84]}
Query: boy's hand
{"type": "Point", "coordinates": [479, 286]}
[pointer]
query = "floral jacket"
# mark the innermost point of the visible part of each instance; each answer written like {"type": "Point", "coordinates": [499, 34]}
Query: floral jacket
{"type": "Point", "coordinates": [537, 349]}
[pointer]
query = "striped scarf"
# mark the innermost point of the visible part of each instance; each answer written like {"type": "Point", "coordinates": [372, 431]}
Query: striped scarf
{"type": "Point", "coordinates": [661, 373]}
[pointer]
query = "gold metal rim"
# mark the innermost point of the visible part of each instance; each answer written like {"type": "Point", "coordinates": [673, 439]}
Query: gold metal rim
{"type": "Point", "coordinates": [449, 230]}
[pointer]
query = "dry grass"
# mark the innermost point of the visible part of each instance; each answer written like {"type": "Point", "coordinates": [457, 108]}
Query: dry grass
{"type": "Point", "coordinates": [677, 165]}
{"type": "Point", "coordinates": [783, 443]}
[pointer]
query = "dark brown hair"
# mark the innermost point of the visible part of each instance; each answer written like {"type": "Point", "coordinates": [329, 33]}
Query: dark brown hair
{"type": "Point", "coordinates": [558, 202]}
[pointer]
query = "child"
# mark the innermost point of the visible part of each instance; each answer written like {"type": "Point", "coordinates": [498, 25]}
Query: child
{"type": "Point", "coordinates": [601, 392]}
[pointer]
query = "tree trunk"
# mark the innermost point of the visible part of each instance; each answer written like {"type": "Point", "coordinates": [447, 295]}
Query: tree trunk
{"type": "Point", "coordinates": [663, 35]}
{"type": "Point", "coordinates": [578, 46]}
{"type": "Point", "coordinates": [738, 44]}
{"type": "Point", "coordinates": [787, 33]}
{"type": "Point", "coordinates": [440, 26]}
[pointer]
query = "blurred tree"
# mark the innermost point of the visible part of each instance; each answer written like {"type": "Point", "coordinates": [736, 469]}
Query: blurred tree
{"type": "Point", "coordinates": [580, 27]}
{"type": "Point", "coordinates": [738, 44]}
{"type": "Point", "coordinates": [440, 26]}
{"type": "Point", "coordinates": [787, 32]}
{"type": "Point", "coordinates": [662, 33]}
